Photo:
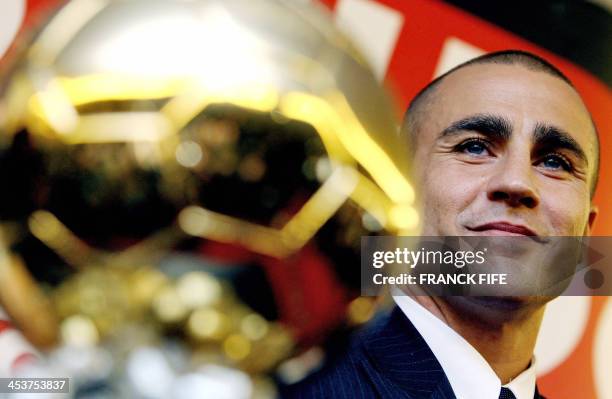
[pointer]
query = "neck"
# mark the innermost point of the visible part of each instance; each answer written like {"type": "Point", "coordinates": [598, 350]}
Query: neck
{"type": "Point", "coordinates": [503, 332]}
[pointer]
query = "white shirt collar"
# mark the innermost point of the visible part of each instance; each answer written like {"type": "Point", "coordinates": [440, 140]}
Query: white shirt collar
{"type": "Point", "coordinates": [469, 374]}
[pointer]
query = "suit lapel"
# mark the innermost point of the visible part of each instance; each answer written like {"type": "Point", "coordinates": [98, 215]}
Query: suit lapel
{"type": "Point", "coordinates": [537, 394]}
{"type": "Point", "coordinates": [403, 363]}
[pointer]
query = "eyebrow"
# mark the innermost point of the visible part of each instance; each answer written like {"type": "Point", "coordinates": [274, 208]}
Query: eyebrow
{"type": "Point", "coordinates": [553, 137]}
{"type": "Point", "coordinates": [494, 127]}
{"type": "Point", "coordinates": [499, 128]}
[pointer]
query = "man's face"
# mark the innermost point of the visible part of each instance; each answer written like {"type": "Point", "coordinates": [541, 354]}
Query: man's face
{"type": "Point", "coordinates": [503, 150]}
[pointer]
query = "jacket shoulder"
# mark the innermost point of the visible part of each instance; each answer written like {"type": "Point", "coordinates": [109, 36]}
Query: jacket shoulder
{"type": "Point", "coordinates": [344, 376]}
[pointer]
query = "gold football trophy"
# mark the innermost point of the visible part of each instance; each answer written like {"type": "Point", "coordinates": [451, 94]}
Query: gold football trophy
{"type": "Point", "coordinates": [137, 135]}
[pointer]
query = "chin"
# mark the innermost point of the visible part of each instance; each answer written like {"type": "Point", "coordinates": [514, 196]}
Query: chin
{"type": "Point", "coordinates": [496, 310]}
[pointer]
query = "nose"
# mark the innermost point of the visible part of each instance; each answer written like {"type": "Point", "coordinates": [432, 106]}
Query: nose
{"type": "Point", "coordinates": [513, 183]}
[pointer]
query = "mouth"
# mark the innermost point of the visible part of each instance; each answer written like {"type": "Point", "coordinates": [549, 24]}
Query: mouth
{"type": "Point", "coordinates": [504, 228]}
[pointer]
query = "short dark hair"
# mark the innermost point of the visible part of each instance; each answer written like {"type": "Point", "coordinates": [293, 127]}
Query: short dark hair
{"type": "Point", "coordinates": [423, 99]}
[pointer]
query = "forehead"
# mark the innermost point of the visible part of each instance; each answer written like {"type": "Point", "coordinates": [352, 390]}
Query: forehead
{"type": "Point", "coordinates": [523, 96]}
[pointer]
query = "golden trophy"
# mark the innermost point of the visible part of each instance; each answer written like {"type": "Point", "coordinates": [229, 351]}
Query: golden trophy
{"type": "Point", "coordinates": [157, 155]}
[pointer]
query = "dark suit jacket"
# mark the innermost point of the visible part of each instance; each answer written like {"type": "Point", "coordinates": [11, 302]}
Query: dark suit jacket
{"type": "Point", "coordinates": [389, 360]}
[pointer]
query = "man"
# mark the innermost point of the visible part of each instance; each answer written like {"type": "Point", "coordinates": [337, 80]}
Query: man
{"type": "Point", "coordinates": [503, 145]}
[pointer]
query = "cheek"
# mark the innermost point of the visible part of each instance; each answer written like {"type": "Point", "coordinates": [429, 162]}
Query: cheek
{"type": "Point", "coordinates": [453, 183]}
{"type": "Point", "coordinates": [445, 193]}
{"type": "Point", "coordinates": [568, 212]}
{"type": "Point", "coordinates": [567, 223]}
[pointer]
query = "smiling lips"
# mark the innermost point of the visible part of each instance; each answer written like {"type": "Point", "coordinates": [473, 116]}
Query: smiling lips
{"type": "Point", "coordinates": [504, 228]}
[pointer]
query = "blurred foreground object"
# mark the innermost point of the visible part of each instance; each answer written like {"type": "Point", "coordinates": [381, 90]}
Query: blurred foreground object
{"type": "Point", "coordinates": [188, 180]}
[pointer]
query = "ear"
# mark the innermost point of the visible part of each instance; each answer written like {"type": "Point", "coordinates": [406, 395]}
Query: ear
{"type": "Point", "coordinates": [592, 216]}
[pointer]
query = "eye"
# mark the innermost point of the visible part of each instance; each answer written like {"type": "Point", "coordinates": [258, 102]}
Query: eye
{"type": "Point", "coordinates": [473, 147]}
{"type": "Point", "coordinates": [556, 162]}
